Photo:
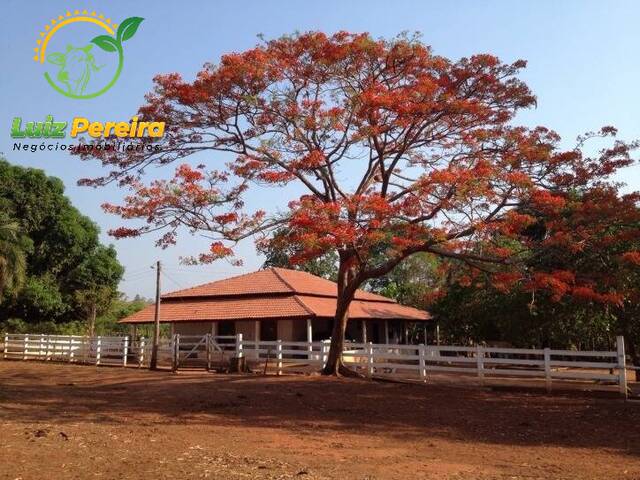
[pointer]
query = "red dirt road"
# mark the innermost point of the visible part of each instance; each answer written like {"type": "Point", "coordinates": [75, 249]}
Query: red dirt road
{"type": "Point", "coordinates": [80, 422]}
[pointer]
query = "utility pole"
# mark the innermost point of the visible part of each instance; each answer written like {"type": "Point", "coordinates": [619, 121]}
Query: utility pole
{"type": "Point", "coordinates": [156, 326]}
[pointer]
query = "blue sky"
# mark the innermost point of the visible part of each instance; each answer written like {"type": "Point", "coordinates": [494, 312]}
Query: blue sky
{"type": "Point", "coordinates": [583, 66]}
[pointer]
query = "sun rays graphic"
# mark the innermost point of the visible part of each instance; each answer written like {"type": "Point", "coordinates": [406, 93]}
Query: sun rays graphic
{"type": "Point", "coordinates": [62, 21]}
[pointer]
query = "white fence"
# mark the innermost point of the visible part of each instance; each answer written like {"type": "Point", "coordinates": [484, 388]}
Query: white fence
{"type": "Point", "coordinates": [411, 362]}
{"type": "Point", "coordinates": [112, 350]}
{"type": "Point", "coordinates": [420, 362]}
{"type": "Point", "coordinates": [101, 350]}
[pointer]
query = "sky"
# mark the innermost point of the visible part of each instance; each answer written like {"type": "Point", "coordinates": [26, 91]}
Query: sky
{"type": "Point", "coordinates": [583, 66]}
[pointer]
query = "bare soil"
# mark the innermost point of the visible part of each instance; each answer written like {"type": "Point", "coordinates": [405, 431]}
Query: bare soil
{"type": "Point", "coordinates": [61, 421]}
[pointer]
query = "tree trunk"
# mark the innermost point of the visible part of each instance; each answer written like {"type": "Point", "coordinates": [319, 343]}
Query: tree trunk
{"type": "Point", "coordinates": [334, 364]}
{"type": "Point", "coordinates": [347, 285]}
{"type": "Point", "coordinates": [92, 320]}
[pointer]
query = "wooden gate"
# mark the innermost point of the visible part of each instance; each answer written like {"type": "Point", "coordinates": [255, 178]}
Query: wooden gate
{"type": "Point", "coordinates": [202, 351]}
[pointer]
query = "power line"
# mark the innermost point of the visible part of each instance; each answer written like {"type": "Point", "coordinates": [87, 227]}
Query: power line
{"type": "Point", "coordinates": [172, 280]}
{"type": "Point", "coordinates": [130, 278]}
{"type": "Point", "coordinates": [136, 271]}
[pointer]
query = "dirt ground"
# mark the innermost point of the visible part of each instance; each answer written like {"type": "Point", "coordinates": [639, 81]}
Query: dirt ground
{"type": "Point", "coordinates": [79, 422]}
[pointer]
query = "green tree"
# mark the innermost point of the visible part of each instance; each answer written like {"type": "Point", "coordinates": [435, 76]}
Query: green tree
{"type": "Point", "coordinates": [411, 282]}
{"type": "Point", "coordinates": [67, 272]}
{"type": "Point", "coordinates": [40, 300]}
{"type": "Point", "coordinates": [585, 292]}
{"type": "Point", "coordinates": [279, 253]}
{"type": "Point", "coordinates": [96, 281]}
{"type": "Point", "coordinates": [13, 263]}
{"type": "Point", "coordinates": [121, 307]}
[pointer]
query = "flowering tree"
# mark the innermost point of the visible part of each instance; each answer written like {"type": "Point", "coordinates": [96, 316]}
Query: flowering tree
{"type": "Point", "coordinates": [579, 284]}
{"type": "Point", "coordinates": [398, 150]}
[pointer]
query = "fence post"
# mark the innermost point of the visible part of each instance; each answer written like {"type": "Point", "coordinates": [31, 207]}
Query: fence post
{"type": "Point", "coordinates": [98, 350]}
{"type": "Point", "coordinates": [309, 339]}
{"type": "Point", "coordinates": [40, 347]}
{"type": "Point", "coordinates": [422, 363]}
{"type": "Point", "coordinates": [208, 352]}
{"type": "Point", "coordinates": [480, 362]}
{"type": "Point", "coordinates": [70, 355]}
{"type": "Point", "coordinates": [141, 352]}
{"type": "Point", "coordinates": [125, 351]}
{"type": "Point", "coordinates": [369, 359]}
{"type": "Point", "coordinates": [310, 349]}
{"type": "Point", "coordinates": [84, 348]}
{"type": "Point", "coordinates": [25, 346]}
{"type": "Point", "coordinates": [547, 369]}
{"type": "Point", "coordinates": [175, 360]}
{"type": "Point", "coordinates": [279, 357]}
{"type": "Point", "coordinates": [622, 366]}
{"type": "Point", "coordinates": [324, 353]}
{"type": "Point", "coordinates": [256, 340]}
{"type": "Point", "coordinates": [239, 345]}
{"type": "Point", "coordinates": [6, 345]}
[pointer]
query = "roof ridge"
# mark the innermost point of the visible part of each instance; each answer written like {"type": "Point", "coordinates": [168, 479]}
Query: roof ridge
{"type": "Point", "coordinates": [275, 272]}
{"type": "Point", "coordinates": [304, 305]}
{"type": "Point", "coordinates": [376, 296]}
{"type": "Point", "coordinates": [221, 280]}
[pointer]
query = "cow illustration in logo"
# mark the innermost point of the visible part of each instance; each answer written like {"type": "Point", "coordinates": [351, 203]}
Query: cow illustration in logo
{"type": "Point", "coordinates": [76, 65]}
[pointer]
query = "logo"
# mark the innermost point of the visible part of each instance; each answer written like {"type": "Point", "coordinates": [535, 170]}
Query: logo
{"type": "Point", "coordinates": [80, 64]}
{"type": "Point", "coordinates": [51, 129]}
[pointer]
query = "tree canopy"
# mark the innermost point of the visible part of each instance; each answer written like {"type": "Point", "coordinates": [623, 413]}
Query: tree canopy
{"type": "Point", "coordinates": [398, 151]}
{"type": "Point", "coordinates": [52, 249]}
{"type": "Point", "coordinates": [582, 292]}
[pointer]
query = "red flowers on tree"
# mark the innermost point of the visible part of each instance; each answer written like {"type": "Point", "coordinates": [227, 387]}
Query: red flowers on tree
{"type": "Point", "coordinates": [398, 150]}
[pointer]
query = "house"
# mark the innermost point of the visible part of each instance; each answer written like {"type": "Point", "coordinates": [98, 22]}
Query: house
{"type": "Point", "coordinates": [278, 303]}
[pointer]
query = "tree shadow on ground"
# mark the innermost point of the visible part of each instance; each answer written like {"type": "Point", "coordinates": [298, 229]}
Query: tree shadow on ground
{"type": "Point", "coordinates": [33, 392]}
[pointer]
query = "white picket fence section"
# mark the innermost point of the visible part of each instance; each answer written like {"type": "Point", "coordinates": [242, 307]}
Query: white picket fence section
{"type": "Point", "coordinates": [100, 350]}
{"type": "Point", "coordinates": [421, 361]}
{"type": "Point", "coordinates": [408, 362]}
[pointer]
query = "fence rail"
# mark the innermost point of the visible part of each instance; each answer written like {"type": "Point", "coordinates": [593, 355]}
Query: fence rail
{"type": "Point", "coordinates": [418, 362]}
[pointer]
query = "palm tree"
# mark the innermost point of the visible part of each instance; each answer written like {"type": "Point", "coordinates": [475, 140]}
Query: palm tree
{"type": "Point", "coordinates": [13, 262]}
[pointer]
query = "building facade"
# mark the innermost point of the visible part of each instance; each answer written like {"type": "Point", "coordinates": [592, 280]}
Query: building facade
{"type": "Point", "coordinates": [279, 304]}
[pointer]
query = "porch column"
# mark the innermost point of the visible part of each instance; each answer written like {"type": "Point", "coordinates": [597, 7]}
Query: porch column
{"type": "Point", "coordinates": [309, 338]}
{"type": "Point", "coordinates": [386, 332]}
{"type": "Point", "coordinates": [256, 338]}
{"type": "Point", "coordinates": [364, 331]}
{"type": "Point", "coordinates": [214, 329]}
{"type": "Point", "coordinates": [406, 332]}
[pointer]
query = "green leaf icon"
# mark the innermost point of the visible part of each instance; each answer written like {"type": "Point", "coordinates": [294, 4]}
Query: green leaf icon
{"type": "Point", "coordinates": [128, 28]}
{"type": "Point", "coordinates": [106, 43]}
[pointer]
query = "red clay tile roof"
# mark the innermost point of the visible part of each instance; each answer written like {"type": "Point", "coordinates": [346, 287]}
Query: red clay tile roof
{"type": "Point", "coordinates": [271, 293]}
{"type": "Point", "coordinates": [271, 280]}
{"type": "Point", "coordinates": [222, 309]}
{"type": "Point", "coordinates": [326, 307]}
{"type": "Point", "coordinates": [294, 306]}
